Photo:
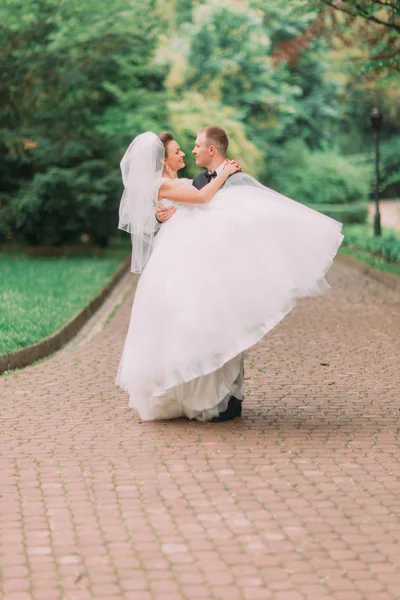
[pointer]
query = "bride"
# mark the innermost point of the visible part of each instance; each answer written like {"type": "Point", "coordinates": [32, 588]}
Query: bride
{"type": "Point", "coordinates": [215, 279]}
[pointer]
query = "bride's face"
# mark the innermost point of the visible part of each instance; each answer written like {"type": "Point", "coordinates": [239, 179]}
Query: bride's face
{"type": "Point", "coordinates": [174, 158]}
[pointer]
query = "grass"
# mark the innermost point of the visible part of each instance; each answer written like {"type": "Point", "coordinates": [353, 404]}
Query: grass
{"type": "Point", "coordinates": [119, 247]}
{"type": "Point", "coordinates": [373, 261]}
{"type": "Point", "coordinates": [38, 294]}
{"type": "Point", "coordinates": [380, 252]}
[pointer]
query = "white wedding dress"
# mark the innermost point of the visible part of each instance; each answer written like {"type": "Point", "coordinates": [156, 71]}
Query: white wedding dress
{"type": "Point", "coordinates": [221, 275]}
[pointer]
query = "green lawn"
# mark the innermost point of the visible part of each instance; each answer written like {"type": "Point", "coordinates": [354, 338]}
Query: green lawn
{"type": "Point", "coordinates": [38, 295]}
{"type": "Point", "coordinates": [372, 261]}
{"type": "Point", "coordinates": [381, 252]}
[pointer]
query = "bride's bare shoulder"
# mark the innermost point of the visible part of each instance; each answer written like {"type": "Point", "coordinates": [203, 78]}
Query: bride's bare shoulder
{"type": "Point", "coordinates": [168, 183]}
{"type": "Point", "coordinates": [167, 186]}
{"type": "Point", "coordinates": [173, 184]}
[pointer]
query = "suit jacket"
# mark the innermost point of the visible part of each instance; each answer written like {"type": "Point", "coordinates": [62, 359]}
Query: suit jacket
{"type": "Point", "coordinates": [200, 180]}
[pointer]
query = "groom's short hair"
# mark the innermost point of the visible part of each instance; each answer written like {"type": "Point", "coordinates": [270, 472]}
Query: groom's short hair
{"type": "Point", "coordinates": [216, 136]}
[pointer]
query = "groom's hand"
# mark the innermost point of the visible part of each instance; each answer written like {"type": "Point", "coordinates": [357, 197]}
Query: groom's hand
{"type": "Point", "coordinates": [163, 213]}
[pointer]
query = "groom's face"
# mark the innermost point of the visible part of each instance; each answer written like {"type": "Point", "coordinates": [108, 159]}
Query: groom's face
{"type": "Point", "coordinates": [202, 152]}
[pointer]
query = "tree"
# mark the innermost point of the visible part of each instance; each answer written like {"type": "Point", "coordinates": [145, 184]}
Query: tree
{"type": "Point", "coordinates": [73, 74]}
{"type": "Point", "coordinates": [371, 25]}
{"type": "Point", "coordinates": [381, 12]}
{"type": "Point", "coordinates": [298, 43]}
{"type": "Point", "coordinates": [223, 56]}
{"type": "Point", "coordinates": [190, 113]}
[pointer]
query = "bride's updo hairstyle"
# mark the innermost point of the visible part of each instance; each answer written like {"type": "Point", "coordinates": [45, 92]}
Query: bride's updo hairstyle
{"type": "Point", "coordinates": [166, 137]}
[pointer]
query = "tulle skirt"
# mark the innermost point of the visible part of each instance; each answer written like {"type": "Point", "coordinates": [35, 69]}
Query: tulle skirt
{"type": "Point", "coordinates": [220, 277]}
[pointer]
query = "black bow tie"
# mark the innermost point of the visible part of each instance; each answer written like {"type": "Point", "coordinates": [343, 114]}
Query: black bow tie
{"type": "Point", "coordinates": [210, 176]}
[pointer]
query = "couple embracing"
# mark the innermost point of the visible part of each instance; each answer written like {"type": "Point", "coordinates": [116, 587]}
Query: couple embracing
{"type": "Point", "coordinates": [227, 263]}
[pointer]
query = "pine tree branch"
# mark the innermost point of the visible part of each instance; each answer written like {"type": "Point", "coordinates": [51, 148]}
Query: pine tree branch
{"type": "Point", "coordinates": [362, 13]}
{"type": "Point", "coordinates": [393, 5]}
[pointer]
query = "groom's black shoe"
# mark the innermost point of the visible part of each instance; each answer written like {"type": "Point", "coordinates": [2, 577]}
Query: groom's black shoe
{"type": "Point", "coordinates": [234, 409]}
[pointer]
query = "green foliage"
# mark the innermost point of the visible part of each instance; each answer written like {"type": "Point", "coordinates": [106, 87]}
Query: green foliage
{"type": "Point", "coordinates": [39, 295]}
{"type": "Point", "coordinates": [184, 11]}
{"type": "Point", "coordinates": [374, 261]}
{"type": "Point", "coordinates": [321, 177]}
{"type": "Point", "coordinates": [296, 43]}
{"type": "Point", "coordinates": [345, 213]}
{"type": "Point", "coordinates": [57, 206]}
{"type": "Point", "coordinates": [229, 58]}
{"type": "Point", "coordinates": [371, 26]}
{"type": "Point", "coordinates": [5, 222]}
{"type": "Point", "coordinates": [387, 245]}
{"type": "Point", "coordinates": [81, 78]}
{"type": "Point", "coordinates": [390, 168]}
{"type": "Point", "coordinates": [74, 74]}
{"type": "Point", "coordinates": [384, 13]}
{"type": "Point", "coordinates": [225, 55]}
{"type": "Point", "coordinates": [190, 113]}
{"type": "Point", "coordinates": [318, 111]}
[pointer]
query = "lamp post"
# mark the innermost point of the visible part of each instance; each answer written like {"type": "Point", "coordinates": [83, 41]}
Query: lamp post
{"type": "Point", "coordinates": [376, 120]}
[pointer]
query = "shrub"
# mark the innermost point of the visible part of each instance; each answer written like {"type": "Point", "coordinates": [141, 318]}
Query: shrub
{"type": "Point", "coordinates": [5, 221]}
{"type": "Point", "coordinates": [345, 213]}
{"type": "Point", "coordinates": [322, 177]}
{"type": "Point", "coordinates": [387, 245]}
{"type": "Point", "coordinates": [78, 83]}
{"type": "Point", "coordinates": [61, 204]}
{"type": "Point", "coordinates": [390, 168]}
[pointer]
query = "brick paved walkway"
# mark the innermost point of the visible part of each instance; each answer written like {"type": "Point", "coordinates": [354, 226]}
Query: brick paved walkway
{"type": "Point", "coordinates": [298, 500]}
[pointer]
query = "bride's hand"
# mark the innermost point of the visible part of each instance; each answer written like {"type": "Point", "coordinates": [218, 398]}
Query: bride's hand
{"type": "Point", "coordinates": [231, 167]}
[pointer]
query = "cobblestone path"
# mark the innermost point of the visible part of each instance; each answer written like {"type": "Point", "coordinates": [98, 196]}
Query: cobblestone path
{"type": "Point", "coordinates": [298, 500]}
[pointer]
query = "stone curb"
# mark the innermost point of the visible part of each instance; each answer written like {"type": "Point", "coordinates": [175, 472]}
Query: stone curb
{"type": "Point", "coordinates": [391, 280]}
{"type": "Point", "coordinates": [45, 347]}
{"type": "Point", "coordinates": [29, 354]}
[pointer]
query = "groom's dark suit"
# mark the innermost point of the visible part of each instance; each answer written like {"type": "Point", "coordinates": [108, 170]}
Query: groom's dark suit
{"type": "Point", "coordinates": [235, 405]}
{"type": "Point", "coordinates": [201, 179]}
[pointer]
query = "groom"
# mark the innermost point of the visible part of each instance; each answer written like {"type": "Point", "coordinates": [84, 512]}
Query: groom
{"type": "Point", "coordinates": [210, 150]}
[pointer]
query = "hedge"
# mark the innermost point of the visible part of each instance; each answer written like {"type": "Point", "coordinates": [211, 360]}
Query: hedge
{"type": "Point", "coordinates": [386, 245]}
{"type": "Point", "coordinates": [345, 213]}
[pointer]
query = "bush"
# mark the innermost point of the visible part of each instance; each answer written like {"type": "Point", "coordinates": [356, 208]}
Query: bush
{"type": "Point", "coordinates": [322, 177]}
{"type": "Point", "coordinates": [79, 83]}
{"type": "Point", "coordinates": [387, 245]}
{"type": "Point", "coordinates": [58, 206]}
{"type": "Point", "coordinates": [390, 168]}
{"type": "Point", "coordinates": [5, 220]}
{"type": "Point", "coordinates": [345, 213]}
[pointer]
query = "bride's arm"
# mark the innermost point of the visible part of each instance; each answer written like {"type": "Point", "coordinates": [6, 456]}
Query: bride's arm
{"type": "Point", "coordinates": [174, 190]}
